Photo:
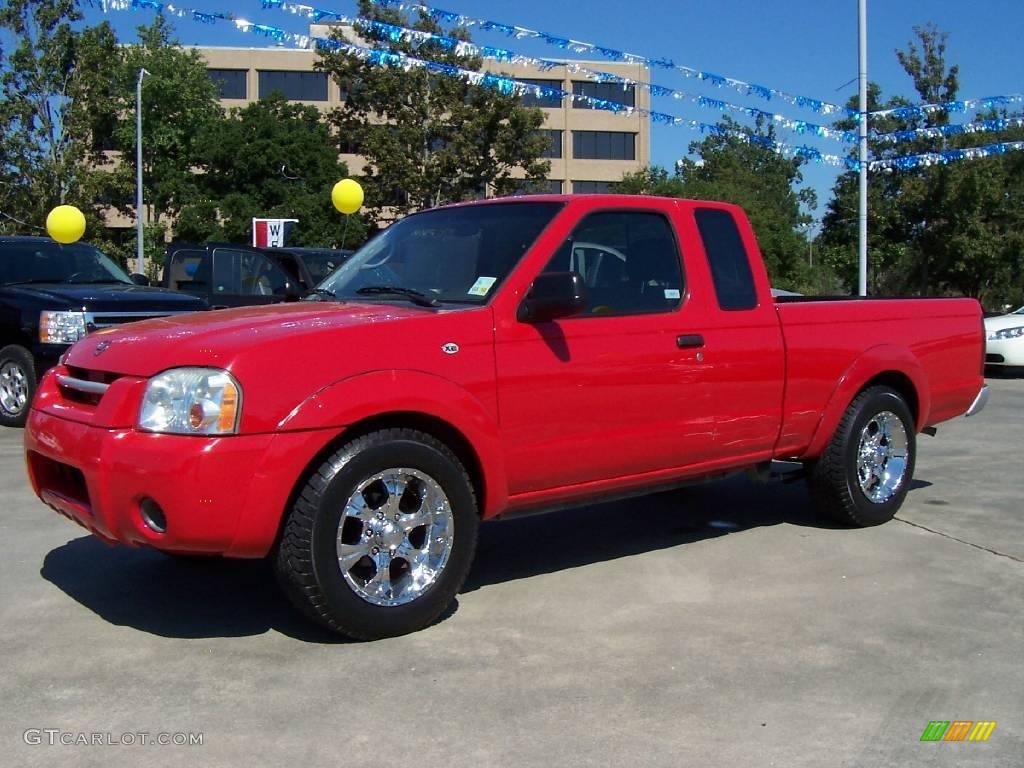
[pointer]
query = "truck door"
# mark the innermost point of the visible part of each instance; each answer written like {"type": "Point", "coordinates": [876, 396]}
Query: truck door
{"type": "Point", "coordinates": [743, 342]}
{"type": "Point", "coordinates": [618, 389]}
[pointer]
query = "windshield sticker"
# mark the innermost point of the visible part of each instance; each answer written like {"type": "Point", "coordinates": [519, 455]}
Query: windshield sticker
{"type": "Point", "coordinates": [482, 286]}
{"type": "Point", "coordinates": [671, 293]}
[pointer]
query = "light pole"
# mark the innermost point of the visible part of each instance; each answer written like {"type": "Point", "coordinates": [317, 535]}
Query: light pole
{"type": "Point", "coordinates": [139, 267]}
{"type": "Point", "coordinates": [862, 244]}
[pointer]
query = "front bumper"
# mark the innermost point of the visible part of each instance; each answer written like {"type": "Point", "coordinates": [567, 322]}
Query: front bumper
{"type": "Point", "coordinates": [223, 495]}
{"type": "Point", "coordinates": [1008, 352]}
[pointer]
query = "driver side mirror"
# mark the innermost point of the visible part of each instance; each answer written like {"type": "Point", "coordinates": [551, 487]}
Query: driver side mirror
{"type": "Point", "coordinates": [138, 279]}
{"type": "Point", "coordinates": [553, 295]}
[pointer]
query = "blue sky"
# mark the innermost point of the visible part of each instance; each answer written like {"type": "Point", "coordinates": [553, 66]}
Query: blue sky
{"type": "Point", "coordinates": [805, 48]}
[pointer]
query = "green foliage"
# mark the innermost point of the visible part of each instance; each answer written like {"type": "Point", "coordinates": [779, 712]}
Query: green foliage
{"type": "Point", "coordinates": [56, 96]}
{"type": "Point", "coordinates": [179, 102]}
{"type": "Point", "coordinates": [269, 159]}
{"type": "Point", "coordinates": [945, 229]}
{"type": "Point", "coordinates": [430, 138]}
{"type": "Point", "coordinates": [733, 170]}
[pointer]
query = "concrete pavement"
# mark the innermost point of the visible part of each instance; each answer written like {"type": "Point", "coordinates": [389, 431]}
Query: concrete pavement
{"type": "Point", "coordinates": [722, 625]}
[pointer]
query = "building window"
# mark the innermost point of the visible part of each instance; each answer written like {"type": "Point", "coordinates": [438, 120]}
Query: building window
{"type": "Point", "coordinates": [605, 91]}
{"type": "Point", "coordinates": [591, 187]}
{"type": "Point", "coordinates": [555, 143]}
{"type": "Point", "coordinates": [542, 100]}
{"type": "Point", "coordinates": [295, 86]}
{"type": "Point", "coordinates": [230, 82]}
{"type": "Point", "coordinates": [349, 145]}
{"type": "Point", "coordinates": [603, 145]}
{"type": "Point", "coordinates": [103, 134]}
{"type": "Point", "coordinates": [545, 187]}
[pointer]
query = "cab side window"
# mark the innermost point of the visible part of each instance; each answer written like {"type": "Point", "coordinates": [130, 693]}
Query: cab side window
{"type": "Point", "coordinates": [246, 273]}
{"type": "Point", "coordinates": [629, 261]}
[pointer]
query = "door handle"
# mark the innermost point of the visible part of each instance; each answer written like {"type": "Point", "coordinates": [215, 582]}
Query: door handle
{"type": "Point", "coordinates": [689, 340]}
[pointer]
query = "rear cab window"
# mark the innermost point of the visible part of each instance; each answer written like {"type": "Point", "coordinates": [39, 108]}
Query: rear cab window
{"type": "Point", "coordinates": [189, 270]}
{"type": "Point", "coordinates": [727, 257]}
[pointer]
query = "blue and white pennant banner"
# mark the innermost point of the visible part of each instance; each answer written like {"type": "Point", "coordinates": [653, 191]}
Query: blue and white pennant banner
{"type": "Point", "coordinates": [578, 46]}
{"type": "Point", "coordinates": [397, 33]}
{"type": "Point", "coordinates": [378, 57]}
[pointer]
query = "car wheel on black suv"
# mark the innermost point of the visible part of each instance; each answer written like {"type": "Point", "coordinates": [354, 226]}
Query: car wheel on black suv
{"type": "Point", "coordinates": [17, 385]}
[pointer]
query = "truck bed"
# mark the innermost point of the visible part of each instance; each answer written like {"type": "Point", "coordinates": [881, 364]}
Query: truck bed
{"type": "Point", "coordinates": [827, 338]}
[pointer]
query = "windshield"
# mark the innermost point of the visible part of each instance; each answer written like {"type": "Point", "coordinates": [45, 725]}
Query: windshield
{"type": "Point", "coordinates": [50, 262]}
{"type": "Point", "coordinates": [459, 254]}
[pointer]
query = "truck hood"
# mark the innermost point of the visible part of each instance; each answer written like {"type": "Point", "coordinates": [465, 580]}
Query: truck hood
{"type": "Point", "coordinates": [221, 337]}
{"type": "Point", "coordinates": [117, 296]}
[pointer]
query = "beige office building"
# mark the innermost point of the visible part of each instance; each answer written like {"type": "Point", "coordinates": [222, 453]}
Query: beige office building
{"type": "Point", "coordinates": [590, 148]}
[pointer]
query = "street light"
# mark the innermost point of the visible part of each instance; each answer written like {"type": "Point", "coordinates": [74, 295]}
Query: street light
{"type": "Point", "coordinates": [138, 172]}
{"type": "Point", "coordinates": [862, 228]}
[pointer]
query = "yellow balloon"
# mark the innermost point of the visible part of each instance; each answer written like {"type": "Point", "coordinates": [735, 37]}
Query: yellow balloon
{"type": "Point", "coordinates": [347, 196]}
{"type": "Point", "coordinates": [65, 224]}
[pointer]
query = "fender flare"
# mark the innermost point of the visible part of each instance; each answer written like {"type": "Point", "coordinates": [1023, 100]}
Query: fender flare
{"type": "Point", "coordinates": [882, 359]}
{"type": "Point", "coordinates": [384, 392]}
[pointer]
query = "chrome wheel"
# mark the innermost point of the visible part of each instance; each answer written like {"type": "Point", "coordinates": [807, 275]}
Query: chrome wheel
{"type": "Point", "coordinates": [13, 388]}
{"type": "Point", "coordinates": [394, 536]}
{"type": "Point", "coordinates": [882, 457]}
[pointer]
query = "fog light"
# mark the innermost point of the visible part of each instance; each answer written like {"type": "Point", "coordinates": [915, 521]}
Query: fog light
{"type": "Point", "coordinates": [153, 516]}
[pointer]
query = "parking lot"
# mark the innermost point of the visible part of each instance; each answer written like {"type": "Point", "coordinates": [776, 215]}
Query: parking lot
{"type": "Point", "coordinates": [721, 625]}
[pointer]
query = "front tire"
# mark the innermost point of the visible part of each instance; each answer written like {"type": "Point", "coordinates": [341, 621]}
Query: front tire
{"type": "Point", "coordinates": [865, 472]}
{"type": "Point", "coordinates": [17, 385]}
{"type": "Point", "coordinates": [381, 537]}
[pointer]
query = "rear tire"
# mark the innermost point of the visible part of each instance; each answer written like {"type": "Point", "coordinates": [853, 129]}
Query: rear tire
{"type": "Point", "coordinates": [865, 472]}
{"type": "Point", "coordinates": [17, 385]}
{"type": "Point", "coordinates": [381, 537]}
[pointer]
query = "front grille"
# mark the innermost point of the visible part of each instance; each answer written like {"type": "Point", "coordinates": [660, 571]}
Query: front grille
{"type": "Point", "coordinates": [84, 386]}
{"type": "Point", "coordinates": [94, 321]}
{"type": "Point", "coordinates": [993, 358]}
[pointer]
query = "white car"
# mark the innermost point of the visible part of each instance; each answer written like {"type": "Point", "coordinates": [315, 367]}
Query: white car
{"type": "Point", "coordinates": [1004, 339]}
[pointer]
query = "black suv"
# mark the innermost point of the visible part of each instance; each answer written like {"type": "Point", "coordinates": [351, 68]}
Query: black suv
{"type": "Point", "coordinates": [50, 296]}
{"type": "Point", "coordinates": [229, 275]}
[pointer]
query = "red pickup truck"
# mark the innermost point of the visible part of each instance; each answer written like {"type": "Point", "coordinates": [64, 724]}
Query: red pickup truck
{"type": "Point", "coordinates": [479, 360]}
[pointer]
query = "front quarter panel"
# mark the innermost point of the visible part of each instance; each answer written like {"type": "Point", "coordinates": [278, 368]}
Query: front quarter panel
{"type": "Point", "coordinates": [399, 391]}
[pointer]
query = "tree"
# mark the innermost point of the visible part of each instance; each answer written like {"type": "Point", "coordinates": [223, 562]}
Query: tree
{"type": "Point", "coordinates": [179, 101]}
{"type": "Point", "coordinates": [945, 229]}
{"type": "Point", "coordinates": [56, 98]}
{"type": "Point", "coordinates": [428, 137]}
{"type": "Point", "coordinates": [733, 169]}
{"type": "Point", "coordinates": [287, 170]}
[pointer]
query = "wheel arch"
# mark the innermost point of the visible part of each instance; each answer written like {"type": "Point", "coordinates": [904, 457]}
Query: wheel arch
{"type": "Point", "coordinates": [415, 400]}
{"type": "Point", "coordinates": [427, 423]}
{"type": "Point", "coordinates": [889, 366]}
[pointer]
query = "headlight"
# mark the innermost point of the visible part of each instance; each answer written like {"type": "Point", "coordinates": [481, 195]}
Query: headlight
{"type": "Point", "coordinates": [61, 327]}
{"type": "Point", "coordinates": [1006, 333]}
{"type": "Point", "coordinates": [192, 401]}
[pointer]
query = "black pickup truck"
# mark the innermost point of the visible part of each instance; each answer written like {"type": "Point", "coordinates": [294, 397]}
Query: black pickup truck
{"type": "Point", "coordinates": [50, 296]}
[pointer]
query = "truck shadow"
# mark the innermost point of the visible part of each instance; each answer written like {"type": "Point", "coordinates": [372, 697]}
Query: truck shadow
{"type": "Point", "coordinates": [169, 597]}
{"type": "Point", "coordinates": [193, 599]}
{"type": "Point", "coordinates": [527, 546]}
